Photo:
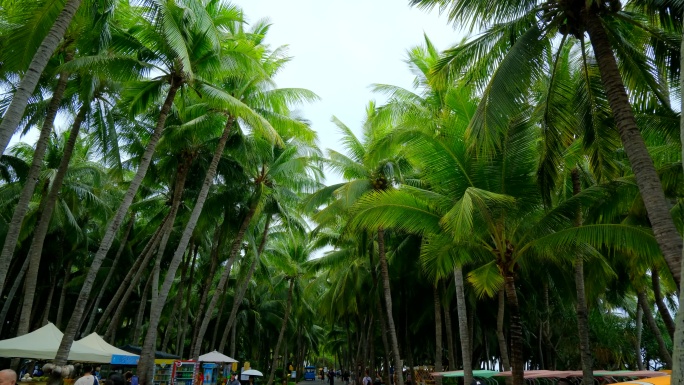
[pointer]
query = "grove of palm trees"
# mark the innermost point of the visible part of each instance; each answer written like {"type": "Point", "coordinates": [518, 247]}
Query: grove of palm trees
{"type": "Point", "coordinates": [521, 207]}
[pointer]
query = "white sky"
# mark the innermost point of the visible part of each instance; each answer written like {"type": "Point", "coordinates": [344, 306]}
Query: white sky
{"type": "Point", "coordinates": [341, 47]}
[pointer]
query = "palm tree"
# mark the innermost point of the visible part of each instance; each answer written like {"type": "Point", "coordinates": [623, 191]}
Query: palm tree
{"type": "Point", "coordinates": [530, 26]}
{"type": "Point", "coordinates": [288, 255]}
{"type": "Point", "coordinates": [157, 41]}
{"type": "Point", "coordinates": [15, 112]}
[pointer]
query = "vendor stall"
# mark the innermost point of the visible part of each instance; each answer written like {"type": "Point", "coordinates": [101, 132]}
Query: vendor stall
{"type": "Point", "coordinates": [43, 344]}
{"type": "Point", "coordinates": [211, 366]}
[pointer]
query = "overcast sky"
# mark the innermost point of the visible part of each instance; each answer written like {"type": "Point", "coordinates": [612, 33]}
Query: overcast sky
{"type": "Point", "coordinates": [341, 47]}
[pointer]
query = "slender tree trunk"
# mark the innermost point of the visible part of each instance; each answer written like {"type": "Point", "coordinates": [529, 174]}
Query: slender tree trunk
{"type": "Point", "coordinates": [112, 270]}
{"type": "Point", "coordinates": [48, 305]}
{"type": "Point", "coordinates": [235, 247]}
{"type": "Point", "coordinates": [146, 363]}
{"type": "Point", "coordinates": [110, 233]}
{"type": "Point", "coordinates": [233, 337]}
{"type": "Point", "coordinates": [662, 308]}
{"type": "Point", "coordinates": [388, 304]}
{"type": "Point", "coordinates": [186, 313]}
{"type": "Point", "coordinates": [216, 328]}
{"type": "Point", "coordinates": [137, 333]}
{"type": "Point", "coordinates": [438, 333]}
{"type": "Point", "coordinates": [13, 291]}
{"type": "Point", "coordinates": [15, 111]}
{"type": "Point", "coordinates": [501, 337]}
{"type": "Point", "coordinates": [179, 295]}
{"type": "Point", "coordinates": [217, 242]}
{"type": "Point", "coordinates": [383, 330]}
{"type": "Point", "coordinates": [62, 294]}
{"type": "Point", "coordinates": [240, 293]}
{"type": "Point", "coordinates": [466, 352]}
{"type": "Point", "coordinates": [582, 311]}
{"type": "Point", "coordinates": [639, 330]}
{"type": "Point", "coordinates": [651, 189]}
{"type": "Point", "coordinates": [517, 359]}
{"type": "Point", "coordinates": [678, 340]}
{"type": "Point", "coordinates": [131, 279]}
{"type": "Point", "coordinates": [448, 326]}
{"type": "Point", "coordinates": [21, 208]}
{"type": "Point", "coordinates": [288, 306]}
{"type": "Point", "coordinates": [662, 348]}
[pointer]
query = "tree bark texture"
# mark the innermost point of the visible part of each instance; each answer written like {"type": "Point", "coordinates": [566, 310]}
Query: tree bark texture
{"type": "Point", "coordinates": [466, 352]}
{"type": "Point", "coordinates": [517, 341]}
{"type": "Point", "coordinates": [639, 333]}
{"type": "Point", "coordinates": [146, 363]}
{"type": "Point", "coordinates": [448, 327]}
{"type": "Point", "coordinates": [500, 336]}
{"type": "Point", "coordinates": [112, 229]}
{"type": "Point", "coordinates": [438, 333]}
{"type": "Point", "coordinates": [650, 320]}
{"type": "Point", "coordinates": [384, 270]}
{"type": "Point", "coordinates": [141, 314]}
{"type": "Point", "coordinates": [660, 303]}
{"type": "Point", "coordinates": [62, 294]}
{"type": "Point", "coordinates": [650, 187]}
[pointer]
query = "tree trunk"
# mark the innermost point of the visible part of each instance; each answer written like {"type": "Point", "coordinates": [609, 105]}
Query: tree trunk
{"type": "Point", "coordinates": [15, 111]}
{"type": "Point", "coordinates": [383, 330]}
{"type": "Point", "coordinates": [240, 293]}
{"type": "Point", "coordinates": [13, 291]}
{"type": "Point", "coordinates": [517, 359]}
{"type": "Point", "coordinates": [582, 311]}
{"type": "Point", "coordinates": [662, 348]}
{"type": "Point", "coordinates": [131, 279]}
{"type": "Point", "coordinates": [501, 337]}
{"type": "Point", "coordinates": [466, 352]}
{"type": "Point", "coordinates": [137, 333]}
{"type": "Point", "coordinates": [639, 330]}
{"type": "Point", "coordinates": [438, 334]}
{"type": "Point", "coordinates": [146, 363]}
{"type": "Point", "coordinates": [21, 208]}
{"type": "Point", "coordinates": [186, 313]}
{"type": "Point", "coordinates": [388, 304]}
{"type": "Point", "coordinates": [650, 187]}
{"type": "Point", "coordinates": [48, 305]}
{"type": "Point", "coordinates": [62, 294]}
{"type": "Point", "coordinates": [110, 233]}
{"type": "Point", "coordinates": [448, 326]}
{"type": "Point", "coordinates": [234, 248]}
{"type": "Point", "coordinates": [112, 270]}
{"type": "Point", "coordinates": [219, 235]}
{"type": "Point", "coordinates": [678, 341]}
{"type": "Point", "coordinates": [662, 308]}
{"type": "Point", "coordinates": [233, 337]}
{"type": "Point", "coordinates": [218, 322]}
{"type": "Point", "coordinates": [288, 306]}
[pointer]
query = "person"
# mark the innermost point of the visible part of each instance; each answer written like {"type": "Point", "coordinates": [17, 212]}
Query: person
{"type": "Point", "coordinates": [233, 380]}
{"type": "Point", "coordinates": [117, 379]}
{"type": "Point", "coordinates": [366, 379]}
{"type": "Point", "coordinates": [320, 372]}
{"type": "Point", "coordinates": [345, 377]}
{"type": "Point", "coordinates": [378, 380]}
{"type": "Point", "coordinates": [87, 378]}
{"type": "Point", "coordinates": [331, 376]}
{"type": "Point", "coordinates": [408, 378]}
{"type": "Point", "coordinates": [8, 377]}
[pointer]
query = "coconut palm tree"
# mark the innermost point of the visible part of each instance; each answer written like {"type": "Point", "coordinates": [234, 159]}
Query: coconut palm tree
{"type": "Point", "coordinates": [519, 35]}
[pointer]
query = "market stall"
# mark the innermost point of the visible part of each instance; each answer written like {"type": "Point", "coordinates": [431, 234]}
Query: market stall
{"type": "Point", "coordinates": [43, 344]}
{"type": "Point", "coordinates": [119, 356]}
{"type": "Point", "coordinates": [211, 366]}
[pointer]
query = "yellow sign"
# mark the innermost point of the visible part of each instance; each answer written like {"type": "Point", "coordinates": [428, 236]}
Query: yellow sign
{"type": "Point", "coordinates": [246, 366]}
{"type": "Point", "coordinates": [235, 366]}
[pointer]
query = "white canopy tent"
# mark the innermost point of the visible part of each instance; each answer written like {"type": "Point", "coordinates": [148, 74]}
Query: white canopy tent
{"type": "Point", "coordinates": [43, 344]}
{"type": "Point", "coordinates": [93, 340]}
{"type": "Point", "coordinates": [215, 357]}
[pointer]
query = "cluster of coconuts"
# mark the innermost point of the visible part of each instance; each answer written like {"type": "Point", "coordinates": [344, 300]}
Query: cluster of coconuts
{"type": "Point", "coordinates": [65, 371]}
{"type": "Point", "coordinates": [379, 181]}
